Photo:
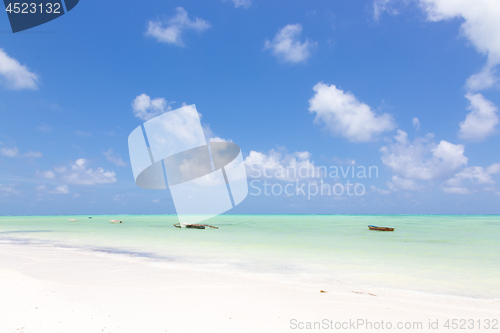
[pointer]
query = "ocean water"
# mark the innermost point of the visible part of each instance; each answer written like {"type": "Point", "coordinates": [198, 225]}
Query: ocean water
{"type": "Point", "coordinates": [443, 254]}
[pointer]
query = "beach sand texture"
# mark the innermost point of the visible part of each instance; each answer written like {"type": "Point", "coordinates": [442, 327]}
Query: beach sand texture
{"type": "Point", "coordinates": [49, 286]}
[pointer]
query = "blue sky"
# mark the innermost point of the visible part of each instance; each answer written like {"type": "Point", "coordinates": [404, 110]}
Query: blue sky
{"type": "Point", "coordinates": [319, 82]}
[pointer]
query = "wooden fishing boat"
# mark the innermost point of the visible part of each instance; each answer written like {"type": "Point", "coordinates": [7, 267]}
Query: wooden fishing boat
{"type": "Point", "coordinates": [116, 221]}
{"type": "Point", "coordinates": [194, 226]}
{"type": "Point", "coordinates": [72, 220]}
{"type": "Point", "coordinates": [374, 227]}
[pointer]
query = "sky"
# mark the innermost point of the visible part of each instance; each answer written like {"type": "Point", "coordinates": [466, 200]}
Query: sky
{"type": "Point", "coordinates": [408, 88]}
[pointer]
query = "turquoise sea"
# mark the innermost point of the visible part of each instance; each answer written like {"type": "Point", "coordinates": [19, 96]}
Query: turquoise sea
{"type": "Point", "coordinates": [443, 254]}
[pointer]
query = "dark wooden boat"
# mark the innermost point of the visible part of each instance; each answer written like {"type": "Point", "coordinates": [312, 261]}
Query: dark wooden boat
{"type": "Point", "coordinates": [374, 227]}
{"type": "Point", "coordinates": [194, 226]}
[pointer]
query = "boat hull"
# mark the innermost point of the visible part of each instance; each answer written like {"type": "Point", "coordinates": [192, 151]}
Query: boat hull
{"type": "Point", "coordinates": [374, 227]}
{"type": "Point", "coordinates": [194, 226]}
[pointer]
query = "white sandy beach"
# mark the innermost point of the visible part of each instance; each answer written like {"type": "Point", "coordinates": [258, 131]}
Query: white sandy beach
{"type": "Point", "coordinates": [49, 289]}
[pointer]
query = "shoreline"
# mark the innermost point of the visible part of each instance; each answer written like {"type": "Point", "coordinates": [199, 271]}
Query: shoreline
{"type": "Point", "coordinates": [296, 273]}
{"type": "Point", "coordinates": [47, 289]}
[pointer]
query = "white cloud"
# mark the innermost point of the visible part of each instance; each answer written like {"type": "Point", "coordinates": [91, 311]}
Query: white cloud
{"type": "Point", "coordinates": [33, 154]}
{"type": "Point", "coordinates": [156, 200]}
{"type": "Point", "coordinates": [484, 79]}
{"type": "Point", "coordinates": [287, 46]}
{"type": "Point", "coordinates": [81, 175]}
{"type": "Point", "coordinates": [380, 6]}
{"type": "Point", "coordinates": [281, 165]}
{"type": "Point", "coordinates": [14, 75]}
{"type": "Point", "coordinates": [7, 190]}
{"type": "Point", "coordinates": [380, 191]}
{"type": "Point", "coordinates": [82, 133]}
{"type": "Point", "coordinates": [481, 121]}
{"type": "Point", "coordinates": [63, 189]}
{"type": "Point", "coordinates": [44, 128]}
{"type": "Point", "coordinates": [344, 115]}
{"type": "Point", "coordinates": [146, 108]}
{"type": "Point", "coordinates": [477, 175]}
{"type": "Point", "coordinates": [416, 123]}
{"type": "Point", "coordinates": [114, 158]}
{"type": "Point", "coordinates": [472, 179]}
{"type": "Point", "coordinates": [423, 158]}
{"type": "Point", "coordinates": [14, 152]}
{"type": "Point", "coordinates": [41, 187]}
{"type": "Point", "coordinates": [398, 183]}
{"type": "Point", "coordinates": [61, 169]}
{"type": "Point", "coordinates": [120, 197]}
{"type": "Point", "coordinates": [481, 26]}
{"type": "Point", "coordinates": [49, 174]}
{"type": "Point", "coordinates": [178, 125]}
{"type": "Point", "coordinates": [170, 31]}
{"type": "Point", "coordinates": [493, 169]}
{"type": "Point", "coordinates": [457, 190]}
{"type": "Point", "coordinates": [9, 152]}
{"type": "Point", "coordinates": [210, 136]}
{"type": "Point", "coordinates": [241, 3]}
{"type": "Point", "coordinates": [218, 139]}
{"type": "Point", "coordinates": [343, 161]}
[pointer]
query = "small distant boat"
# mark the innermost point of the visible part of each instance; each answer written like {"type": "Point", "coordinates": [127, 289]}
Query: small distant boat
{"type": "Point", "coordinates": [90, 217]}
{"type": "Point", "coordinates": [72, 220]}
{"type": "Point", "coordinates": [374, 227]}
{"type": "Point", "coordinates": [194, 226]}
{"type": "Point", "coordinates": [116, 221]}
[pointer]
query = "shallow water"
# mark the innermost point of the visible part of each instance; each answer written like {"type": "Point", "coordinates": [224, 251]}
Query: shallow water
{"type": "Point", "coordinates": [452, 255]}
